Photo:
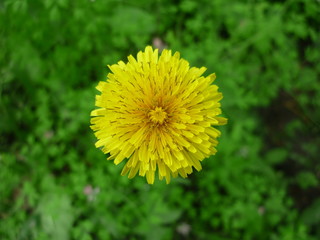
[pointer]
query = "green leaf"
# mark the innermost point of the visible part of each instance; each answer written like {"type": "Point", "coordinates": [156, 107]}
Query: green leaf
{"type": "Point", "coordinates": [56, 215]}
{"type": "Point", "coordinates": [307, 179]}
{"type": "Point", "coordinates": [276, 155]}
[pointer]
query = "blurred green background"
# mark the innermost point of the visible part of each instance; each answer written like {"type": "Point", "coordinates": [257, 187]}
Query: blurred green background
{"type": "Point", "coordinates": [262, 184]}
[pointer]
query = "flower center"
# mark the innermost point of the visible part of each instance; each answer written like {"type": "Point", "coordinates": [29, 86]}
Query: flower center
{"type": "Point", "coordinates": [158, 115]}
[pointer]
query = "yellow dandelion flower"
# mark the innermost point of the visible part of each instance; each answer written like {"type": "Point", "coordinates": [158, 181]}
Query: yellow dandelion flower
{"type": "Point", "coordinates": [157, 114]}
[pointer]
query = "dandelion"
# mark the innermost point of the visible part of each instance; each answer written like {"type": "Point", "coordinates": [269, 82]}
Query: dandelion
{"type": "Point", "coordinates": [157, 114]}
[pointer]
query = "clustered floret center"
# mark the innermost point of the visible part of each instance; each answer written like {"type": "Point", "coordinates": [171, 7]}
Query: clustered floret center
{"type": "Point", "coordinates": [158, 115]}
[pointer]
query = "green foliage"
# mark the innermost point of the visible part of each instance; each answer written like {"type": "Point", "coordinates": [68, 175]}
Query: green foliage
{"type": "Point", "coordinates": [262, 184]}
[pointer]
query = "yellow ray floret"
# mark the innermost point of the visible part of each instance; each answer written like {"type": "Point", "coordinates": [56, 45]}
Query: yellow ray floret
{"type": "Point", "coordinates": [157, 114]}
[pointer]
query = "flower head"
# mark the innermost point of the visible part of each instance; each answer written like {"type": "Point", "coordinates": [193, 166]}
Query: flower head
{"type": "Point", "coordinates": [157, 114]}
